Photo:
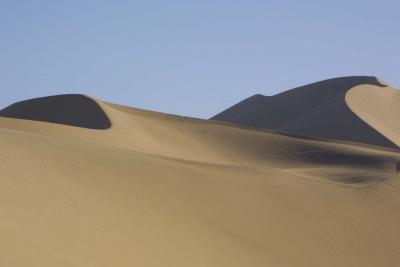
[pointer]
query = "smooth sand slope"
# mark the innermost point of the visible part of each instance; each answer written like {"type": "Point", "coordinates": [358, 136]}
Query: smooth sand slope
{"type": "Point", "coordinates": [324, 109]}
{"type": "Point", "coordinates": [163, 190]}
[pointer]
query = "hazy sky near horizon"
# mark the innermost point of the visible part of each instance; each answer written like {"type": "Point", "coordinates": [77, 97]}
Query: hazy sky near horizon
{"type": "Point", "coordinates": [191, 58]}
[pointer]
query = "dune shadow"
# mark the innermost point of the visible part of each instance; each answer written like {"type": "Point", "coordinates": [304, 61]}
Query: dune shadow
{"type": "Point", "coordinates": [74, 110]}
{"type": "Point", "coordinates": [358, 168]}
{"type": "Point", "coordinates": [343, 159]}
{"type": "Point", "coordinates": [317, 110]}
{"type": "Point", "coordinates": [358, 179]}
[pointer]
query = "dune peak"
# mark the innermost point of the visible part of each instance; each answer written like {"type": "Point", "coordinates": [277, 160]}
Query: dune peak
{"type": "Point", "coordinates": [69, 109]}
{"type": "Point", "coordinates": [317, 110]}
{"type": "Point", "coordinates": [165, 190]}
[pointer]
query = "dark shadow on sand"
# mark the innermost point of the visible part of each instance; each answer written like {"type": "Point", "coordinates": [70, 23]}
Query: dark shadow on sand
{"type": "Point", "coordinates": [73, 109]}
{"type": "Point", "coordinates": [343, 159]}
{"type": "Point", "coordinates": [316, 110]}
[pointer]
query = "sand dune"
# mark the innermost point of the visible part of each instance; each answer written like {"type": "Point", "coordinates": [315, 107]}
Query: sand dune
{"type": "Point", "coordinates": [162, 190]}
{"type": "Point", "coordinates": [379, 108]}
{"type": "Point", "coordinates": [75, 110]}
{"type": "Point", "coordinates": [322, 110]}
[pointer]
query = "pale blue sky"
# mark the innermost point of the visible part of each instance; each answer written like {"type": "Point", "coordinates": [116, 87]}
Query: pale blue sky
{"type": "Point", "coordinates": [191, 58]}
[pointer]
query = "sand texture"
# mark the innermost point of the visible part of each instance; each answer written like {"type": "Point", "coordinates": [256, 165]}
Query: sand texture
{"type": "Point", "coordinates": [151, 189]}
{"type": "Point", "coordinates": [324, 109]}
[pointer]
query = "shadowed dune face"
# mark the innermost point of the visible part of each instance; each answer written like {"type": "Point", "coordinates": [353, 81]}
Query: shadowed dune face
{"type": "Point", "coordinates": [379, 108]}
{"type": "Point", "coordinates": [273, 112]}
{"type": "Point", "coordinates": [355, 168]}
{"type": "Point", "coordinates": [334, 120]}
{"type": "Point", "coordinates": [336, 158]}
{"type": "Point", "coordinates": [162, 190]}
{"type": "Point", "coordinates": [332, 163]}
{"type": "Point", "coordinates": [317, 110]}
{"type": "Point", "coordinates": [74, 110]}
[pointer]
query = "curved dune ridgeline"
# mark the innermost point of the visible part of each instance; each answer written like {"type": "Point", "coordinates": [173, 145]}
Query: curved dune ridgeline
{"type": "Point", "coordinates": [74, 110]}
{"type": "Point", "coordinates": [380, 109]}
{"type": "Point", "coordinates": [318, 110]}
{"type": "Point", "coordinates": [164, 190]}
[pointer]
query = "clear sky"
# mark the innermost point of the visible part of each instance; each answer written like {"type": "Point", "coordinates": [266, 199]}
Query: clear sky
{"type": "Point", "coordinates": [191, 58]}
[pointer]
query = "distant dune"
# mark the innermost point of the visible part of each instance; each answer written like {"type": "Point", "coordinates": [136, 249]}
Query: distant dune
{"type": "Point", "coordinates": [328, 109]}
{"type": "Point", "coordinates": [84, 182]}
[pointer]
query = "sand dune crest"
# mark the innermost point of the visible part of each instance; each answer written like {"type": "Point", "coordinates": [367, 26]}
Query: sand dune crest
{"type": "Point", "coordinates": [163, 190]}
{"type": "Point", "coordinates": [318, 110]}
{"type": "Point", "coordinates": [74, 110]}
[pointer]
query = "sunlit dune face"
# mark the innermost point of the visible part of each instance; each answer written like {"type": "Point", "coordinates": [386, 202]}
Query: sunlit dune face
{"type": "Point", "coordinates": [163, 190]}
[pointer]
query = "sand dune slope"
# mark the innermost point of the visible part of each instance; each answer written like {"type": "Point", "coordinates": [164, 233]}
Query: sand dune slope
{"type": "Point", "coordinates": [379, 108]}
{"type": "Point", "coordinates": [322, 110]}
{"type": "Point", "coordinates": [74, 110]}
{"type": "Point", "coordinates": [164, 190]}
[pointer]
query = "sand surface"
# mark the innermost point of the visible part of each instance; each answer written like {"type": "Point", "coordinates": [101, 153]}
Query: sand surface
{"type": "Point", "coordinates": [163, 190]}
{"type": "Point", "coordinates": [320, 109]}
